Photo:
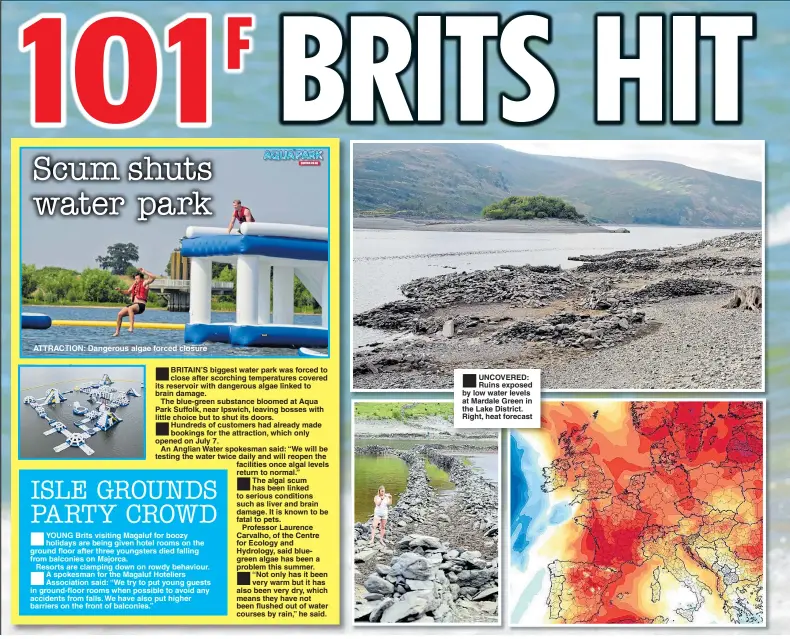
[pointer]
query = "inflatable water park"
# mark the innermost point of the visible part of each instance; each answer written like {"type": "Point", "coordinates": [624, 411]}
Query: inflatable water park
{"type": "Point", "coordinates": [107, 398]}
{"type": "Point", "coordinates": [266, 257]}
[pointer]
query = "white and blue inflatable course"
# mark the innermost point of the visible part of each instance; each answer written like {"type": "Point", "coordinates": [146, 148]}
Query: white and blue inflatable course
{"type": "Point", "coordinates": [266, 257]}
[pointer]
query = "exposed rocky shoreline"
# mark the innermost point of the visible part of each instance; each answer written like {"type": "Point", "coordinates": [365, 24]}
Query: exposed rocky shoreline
{"type": "Point", "coordinates": [652, 319]}
{"type": "Point", "coordinates": [441, 562]}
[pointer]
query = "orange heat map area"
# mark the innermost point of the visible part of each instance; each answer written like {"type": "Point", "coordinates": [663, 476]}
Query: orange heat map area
{"type": "Point", "coordinates": [638, 513]}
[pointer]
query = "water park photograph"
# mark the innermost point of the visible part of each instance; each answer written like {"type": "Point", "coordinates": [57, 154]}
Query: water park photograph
{"type": "Point", "coordinates": [426, 516]}
{"type": "Point", "coordinates": [81, 412]}
{"type": "Point", "coordinates": [635, 513]}
{"type": "Point", "coordinates": [607, 264]}
{"type": "Point", "coordinates": [244, 274]}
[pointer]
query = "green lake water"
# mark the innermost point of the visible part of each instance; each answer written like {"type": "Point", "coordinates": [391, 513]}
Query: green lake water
{"type": "Point", "coordinates": [371, 471]}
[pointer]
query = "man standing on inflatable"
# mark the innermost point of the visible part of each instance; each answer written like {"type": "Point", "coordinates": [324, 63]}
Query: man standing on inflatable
{"type": "Point", "coordinates": [139, 297]}
{"type": "Point", "coordinates": [241, 214]}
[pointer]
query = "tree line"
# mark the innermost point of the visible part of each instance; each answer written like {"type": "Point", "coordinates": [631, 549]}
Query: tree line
{"type": "Point", "coordinates": [56, 285]}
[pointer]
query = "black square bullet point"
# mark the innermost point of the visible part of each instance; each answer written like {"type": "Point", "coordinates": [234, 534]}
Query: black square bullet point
{"type": "Point", "coordinates": [243, 578]}
{"type": "Point", "coordinates": [242, 483]}
{"type": "Point", "coordinates": [162, 374]}
{"type": "Point", "coordinates": [162, 429]}
{"type": "Point", "coordinates": [470, 380]}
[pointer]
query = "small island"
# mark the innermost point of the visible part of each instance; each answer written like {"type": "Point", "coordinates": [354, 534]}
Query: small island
{"type": "Point", "coordinates": [514, 214]}
{"type": "Point", "coordinates": [530, 207]}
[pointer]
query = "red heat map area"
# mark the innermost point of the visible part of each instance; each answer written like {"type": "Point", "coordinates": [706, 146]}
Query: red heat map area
{"type": "Point", "coordinates": [668, 517]}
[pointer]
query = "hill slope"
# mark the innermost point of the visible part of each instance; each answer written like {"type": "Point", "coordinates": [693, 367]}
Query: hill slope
{"type": "Point", "coordinates": [458, 180]}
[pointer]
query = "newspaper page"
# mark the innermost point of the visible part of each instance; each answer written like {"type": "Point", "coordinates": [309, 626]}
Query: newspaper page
{"type": "Point", "coordinates": [426, 318]}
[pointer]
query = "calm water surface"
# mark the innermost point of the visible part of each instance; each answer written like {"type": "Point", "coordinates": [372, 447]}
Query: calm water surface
{"type": "Point", "coordinates": [125, 440]}
{"type": "Point", "coordinates": [371, 471]}
{"type": "Point", "coordinates": [87, 337]}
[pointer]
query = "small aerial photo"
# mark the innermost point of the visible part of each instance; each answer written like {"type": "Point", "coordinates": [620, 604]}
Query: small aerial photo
{"type": "Point", "coordinates": [82, 412]}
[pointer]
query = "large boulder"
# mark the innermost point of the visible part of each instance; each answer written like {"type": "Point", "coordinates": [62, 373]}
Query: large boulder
{"type": "Point", "coordinates": [364, 555]}
{"type": "Point", "coordinates": [374, 583]}
{"type": "Point", "coordinates": [475, 578]}
{"type": "Point", "coordinates": [376, 615]}
{"type": "Point", "coordinates": [410, 565]}
{"type": "Point", "coordinates": [409, 607]}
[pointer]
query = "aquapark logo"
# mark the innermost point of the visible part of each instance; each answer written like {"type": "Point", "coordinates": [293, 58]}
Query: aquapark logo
{"type": "Point", "coordinates": [305, 157]}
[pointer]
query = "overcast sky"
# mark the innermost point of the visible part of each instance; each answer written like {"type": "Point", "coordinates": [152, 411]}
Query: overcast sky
{"type": "Point", "coordinates": [741, 159]}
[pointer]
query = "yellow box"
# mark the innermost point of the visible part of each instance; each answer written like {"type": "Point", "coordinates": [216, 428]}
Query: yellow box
{"type": "Point", "coordinates": [323, 478]}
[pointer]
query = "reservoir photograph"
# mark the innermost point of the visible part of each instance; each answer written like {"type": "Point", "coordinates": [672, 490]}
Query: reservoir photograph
{"type": "Point", "coordinates": [609, 265]}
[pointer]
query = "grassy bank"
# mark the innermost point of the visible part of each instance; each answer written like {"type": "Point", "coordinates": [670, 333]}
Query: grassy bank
{"type": "Point", "coordinates": [403, 410]}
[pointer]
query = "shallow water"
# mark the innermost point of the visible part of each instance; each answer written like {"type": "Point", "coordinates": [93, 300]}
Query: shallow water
{"type": "Point", "coordinates": [85, 338]}
{"type": "Point", "coordinates": [487, 464]}
{"type": "Point", "coordinates": [397, 444]}
{"type": "Point", "coordinates": [385, 260]}
{"type": "Point", "coordinates": [372, 471]}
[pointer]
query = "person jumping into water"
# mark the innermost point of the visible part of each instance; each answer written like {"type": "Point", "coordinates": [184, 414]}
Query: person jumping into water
{"type": "Point", "coordinates": [138, 292]}
{"type": "Point", "coordinates": [241, 214]}
{"type": "Point", "coordinates": [382, 501]}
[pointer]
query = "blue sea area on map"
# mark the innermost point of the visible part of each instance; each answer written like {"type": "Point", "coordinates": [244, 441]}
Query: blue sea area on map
{"type": "Point", "coordinates": [560, 513]}
{"type": "Point", "coordinates": [530, 513]}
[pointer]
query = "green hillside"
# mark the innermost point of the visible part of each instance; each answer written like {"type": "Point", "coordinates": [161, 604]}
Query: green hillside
{"type": "Point", "coordinates": [455, 181]}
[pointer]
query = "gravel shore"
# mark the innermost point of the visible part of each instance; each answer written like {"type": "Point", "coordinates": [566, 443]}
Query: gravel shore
{"type": "Point", "coordinates": [419, 428]}
{"type": "Point", "coordinates": [642, 319]}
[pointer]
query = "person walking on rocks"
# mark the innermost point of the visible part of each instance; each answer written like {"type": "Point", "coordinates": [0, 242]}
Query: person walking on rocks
{"type": "Point", "coordinates": [383, 501]}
